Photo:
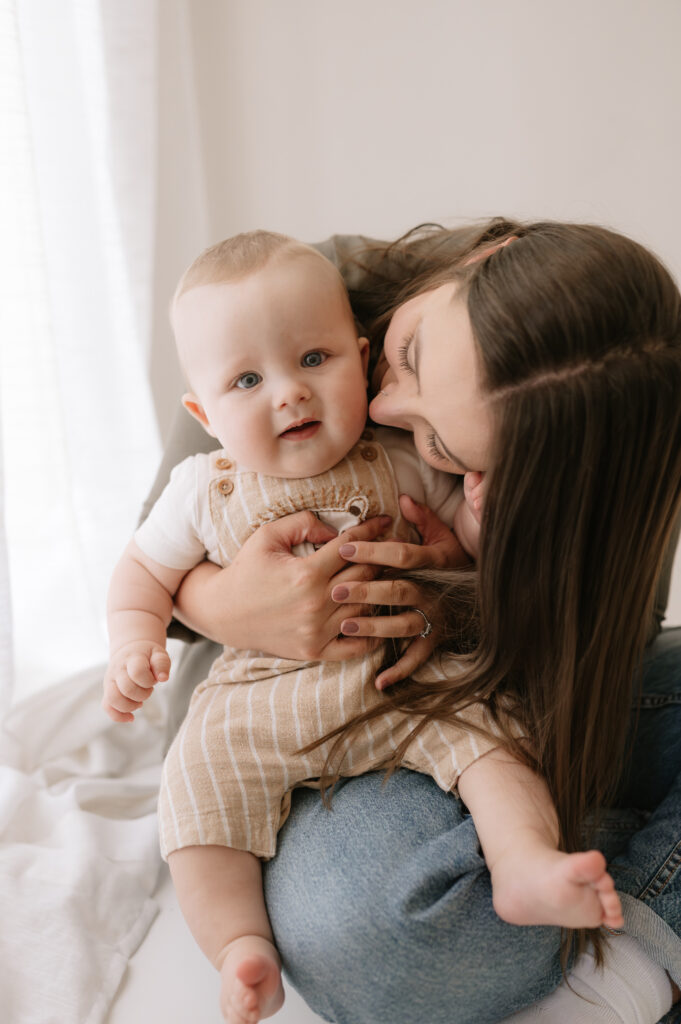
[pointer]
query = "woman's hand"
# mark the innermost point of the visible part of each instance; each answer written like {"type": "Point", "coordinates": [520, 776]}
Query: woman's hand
{"type": "Point", "coordinates": [270, 600]}
{"type": "Point", "coordinates": [474, 488]}
{"type": "Point", "coordinates": [468, 515]}
{"type": "Point", "coordinates": [440, 549]}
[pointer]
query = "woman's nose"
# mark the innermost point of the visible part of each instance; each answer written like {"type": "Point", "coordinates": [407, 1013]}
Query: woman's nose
{"type": "Point", "coordinates": [391, 404]}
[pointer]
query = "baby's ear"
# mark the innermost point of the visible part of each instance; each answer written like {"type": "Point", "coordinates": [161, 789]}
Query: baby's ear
{"type": "Point", "coordinates": [364, 353]}
{"type": "Point", "coordinates": [194, 407]}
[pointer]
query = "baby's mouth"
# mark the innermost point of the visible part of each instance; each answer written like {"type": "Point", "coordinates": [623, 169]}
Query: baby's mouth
{"type": "Point", "coordinates": [301, 431]}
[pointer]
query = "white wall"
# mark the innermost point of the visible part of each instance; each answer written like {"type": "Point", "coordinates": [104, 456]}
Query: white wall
{"type": "Point", "coordinates": [311, 117]}
{"type": "Point", "coordinates": [374, 115]}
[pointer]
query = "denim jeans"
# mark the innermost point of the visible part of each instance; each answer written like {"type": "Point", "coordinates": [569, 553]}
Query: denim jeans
{"type": "Point", "coordinates": [382, 909]}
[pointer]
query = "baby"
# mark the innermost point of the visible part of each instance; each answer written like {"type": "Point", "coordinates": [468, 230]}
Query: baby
{"type": "Point", "coordinates": [266, 337]}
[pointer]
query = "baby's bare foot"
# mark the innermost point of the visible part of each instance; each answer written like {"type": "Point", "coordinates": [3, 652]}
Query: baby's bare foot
{"type": "Point", "coordinates": [549, 887]}
{"type": "Point", "coordinates": [251, 981]}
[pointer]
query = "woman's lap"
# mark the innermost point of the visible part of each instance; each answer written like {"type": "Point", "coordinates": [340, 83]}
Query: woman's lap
{"type": "Point", "coordinates": [382, 907]}
{"type": "Point", "coordinates": [382, 910]}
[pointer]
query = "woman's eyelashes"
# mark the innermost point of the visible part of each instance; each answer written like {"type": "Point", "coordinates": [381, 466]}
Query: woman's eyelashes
{"type": "Point", "coordinates": [433, 448]}
{"type": "Point", "coordinates": [403, 354]}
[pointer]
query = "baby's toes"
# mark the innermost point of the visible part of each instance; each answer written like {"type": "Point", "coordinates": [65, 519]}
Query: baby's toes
{"type": "Point", "coordinates": [612, 910]}
{"type": "Point", "coordinates": [237, 1014]}
{"type": "Point", "coordinates": [240, 1005]}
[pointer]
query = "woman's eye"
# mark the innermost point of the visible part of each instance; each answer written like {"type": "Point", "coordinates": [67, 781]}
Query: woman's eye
{"type": "Point", "coordinates": [403, 355]}
{"type": "Point", "coordinates": [313, 359]}
{"type": "Point", "coordinates": [433, 448]}
{"type": "Point", "coordinates": [248, 380]}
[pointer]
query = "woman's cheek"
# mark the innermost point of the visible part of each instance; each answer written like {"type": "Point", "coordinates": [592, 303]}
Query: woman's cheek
{"type": "Point", "coordinates": [421, 445]}
{"type": "Point", "coordinates": [428, 457]}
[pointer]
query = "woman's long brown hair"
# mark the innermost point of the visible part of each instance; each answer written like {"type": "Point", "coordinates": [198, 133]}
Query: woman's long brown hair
{"type": "Point", "coordinates": [579, 339]}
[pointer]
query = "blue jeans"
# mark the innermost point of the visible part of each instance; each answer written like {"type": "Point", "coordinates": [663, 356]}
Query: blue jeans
{"type": "Point", "coordinates": [382, 907]}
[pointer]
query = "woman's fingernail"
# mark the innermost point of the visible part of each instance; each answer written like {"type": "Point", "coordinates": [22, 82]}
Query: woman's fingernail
{"type": "Point", "coordinates": [349, 627]}
{"type": "Point", "coordinates": [347, 550]}
{"type": "Point", "coordinates": [340, 593]}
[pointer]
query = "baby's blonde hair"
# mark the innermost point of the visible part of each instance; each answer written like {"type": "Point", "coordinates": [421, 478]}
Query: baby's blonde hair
{"type": "Point", "coordinates": [236, 257]}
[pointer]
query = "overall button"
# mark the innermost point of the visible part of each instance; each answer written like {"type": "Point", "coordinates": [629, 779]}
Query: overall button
{"type": "Point", "coordinates": [226, 486]}
{"type": "Point", "coordinates": [369, 453]}
{"type": "Point", "coordinates": [223, 464]}
{"type": "Point", "coordinates": [355, 510]}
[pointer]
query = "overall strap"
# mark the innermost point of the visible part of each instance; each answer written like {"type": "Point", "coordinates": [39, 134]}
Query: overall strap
{"type": "Point", "coordinates": [362, 485]}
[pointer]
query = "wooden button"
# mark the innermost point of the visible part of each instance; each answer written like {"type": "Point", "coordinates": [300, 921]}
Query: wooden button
{"type": "Point", "coordinates": [226, 486]}
{"type": "Point", "coordinates": [223, 464]}
{"type": "Point", "coordinates": [355, 510]}
{"type": "Point", "coordinates": [369, 453]}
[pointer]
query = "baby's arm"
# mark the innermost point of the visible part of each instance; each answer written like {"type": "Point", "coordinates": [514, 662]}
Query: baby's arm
{"type": "Point", "coordinates": [139, 608]}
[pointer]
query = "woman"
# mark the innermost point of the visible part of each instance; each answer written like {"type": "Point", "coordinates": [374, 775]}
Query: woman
{"type": "Point", "coordinates": [553, 364]}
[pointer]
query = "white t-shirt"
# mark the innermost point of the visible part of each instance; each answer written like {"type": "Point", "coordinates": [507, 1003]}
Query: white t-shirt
{"type": "Point", "coordinates": [179, 531]}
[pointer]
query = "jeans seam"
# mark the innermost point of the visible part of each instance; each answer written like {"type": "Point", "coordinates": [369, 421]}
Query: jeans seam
{"type": "Point", "coordinates": [652, 701]}
{"type": "Point", "coordinates": [620, 825]}
{"type": "Point", "coordinates": [664, 875]}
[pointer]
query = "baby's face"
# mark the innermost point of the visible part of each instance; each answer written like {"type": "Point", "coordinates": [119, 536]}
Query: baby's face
{"type": "Point", "coordinates": [277, 371]}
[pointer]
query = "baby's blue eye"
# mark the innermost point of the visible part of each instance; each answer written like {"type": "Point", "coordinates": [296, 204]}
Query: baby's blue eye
{"type": "Point", "coordinates": [313, 359]}
{"type": "Point", "coordinates": [248, 380]}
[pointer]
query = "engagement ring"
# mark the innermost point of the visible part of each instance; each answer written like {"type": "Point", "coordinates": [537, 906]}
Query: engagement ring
{"type": "Point", "coordinates": [428, 628]}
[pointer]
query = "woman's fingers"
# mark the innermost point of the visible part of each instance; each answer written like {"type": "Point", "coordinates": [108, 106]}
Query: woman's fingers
{"type": "Point", "coordinates": [474, 486]}
{"type": "Point", "coordinates": [444, 547]}
{"type": "Point", "coordinates": [407, 623]}
{"type": "Point", "coordinates": [394, 553]}
{"type": "Point", "coordinates": [342, 648]}
{"type": "Point", "coordinates": [283, 534]}
{"type": "Point", "coordinates": [328, 561]}
{"type": "Point", "coordinates": [416, 654]}
{"type": "Point", "coordinates": [392, 592]}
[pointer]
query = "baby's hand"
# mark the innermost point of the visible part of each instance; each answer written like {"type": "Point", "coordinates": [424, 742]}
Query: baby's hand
{"type": "Point", "coordinates": [133, 672]}
{"type": "Point", "coordinates": [474, 492]}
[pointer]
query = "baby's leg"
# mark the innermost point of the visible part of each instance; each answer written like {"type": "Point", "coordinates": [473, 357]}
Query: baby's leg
{"type": "Point", "coordinates": [220, 893]}
{"type": "Point", "coordinates": [533, 882]}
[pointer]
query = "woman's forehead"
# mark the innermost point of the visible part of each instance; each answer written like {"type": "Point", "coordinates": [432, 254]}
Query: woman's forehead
{"type": "Point", "coordinates": [447, 339]}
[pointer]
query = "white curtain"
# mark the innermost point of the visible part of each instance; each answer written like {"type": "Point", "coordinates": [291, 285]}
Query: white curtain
{"type": "Point", "coordinates": [79, 860]}
{"type": "Point", "coordinates": [80, 440]}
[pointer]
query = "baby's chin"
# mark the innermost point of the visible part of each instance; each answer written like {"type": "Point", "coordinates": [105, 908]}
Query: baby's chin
{"type": "Point", "coordinates": [297, 465]}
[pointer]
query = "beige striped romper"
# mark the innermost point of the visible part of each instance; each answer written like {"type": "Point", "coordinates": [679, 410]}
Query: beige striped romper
{"type": "Point", "coordinates": [229, 773]}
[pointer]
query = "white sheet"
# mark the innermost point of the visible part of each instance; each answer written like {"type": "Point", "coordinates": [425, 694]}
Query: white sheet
{"type": "Point", "coordinates": [78, 849]}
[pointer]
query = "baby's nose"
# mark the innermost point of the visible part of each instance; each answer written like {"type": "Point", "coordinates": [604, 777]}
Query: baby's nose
{"type": "Point", "coordinates": [290, 392]}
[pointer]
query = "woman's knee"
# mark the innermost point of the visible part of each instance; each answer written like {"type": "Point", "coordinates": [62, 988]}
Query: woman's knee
{"type": "Point", "coordinates": [386, 897]}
